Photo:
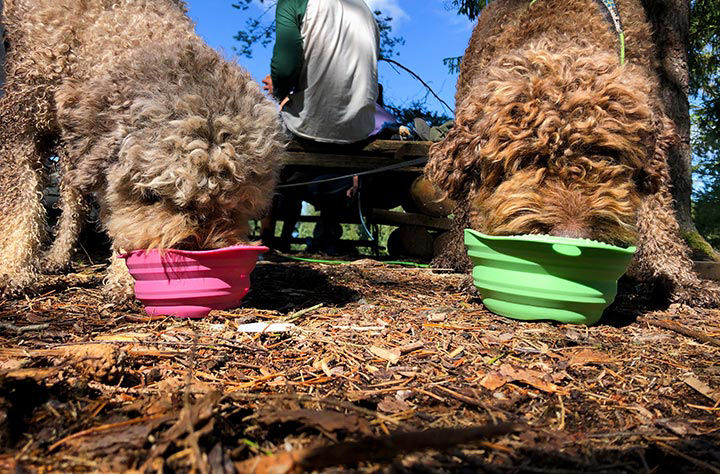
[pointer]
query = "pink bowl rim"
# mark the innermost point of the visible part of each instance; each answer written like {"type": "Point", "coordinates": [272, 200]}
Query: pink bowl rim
{"type": "Point", "coordinates": [198, 253]}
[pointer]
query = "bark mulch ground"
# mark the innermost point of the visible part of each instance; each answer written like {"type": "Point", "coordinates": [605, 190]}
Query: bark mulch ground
{"type": "Point", "coordinates": [377, 368]}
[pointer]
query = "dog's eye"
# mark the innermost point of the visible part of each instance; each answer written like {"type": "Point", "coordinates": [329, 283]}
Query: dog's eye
{"type": "Point", "coordinates": [611, 153]}
{"type": "Point", "coordinates": [150, 197]}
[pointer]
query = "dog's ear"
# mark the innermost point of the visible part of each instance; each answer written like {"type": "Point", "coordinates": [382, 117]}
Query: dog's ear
{"type": "Point", "coordinates": [655, 175]}
{"type": "Point", "coordinates": [454, 164]}
{"type": "Point", "coordinates": [87, 122]}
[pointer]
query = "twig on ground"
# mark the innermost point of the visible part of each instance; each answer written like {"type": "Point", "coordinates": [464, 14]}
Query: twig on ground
{"type": "Point", "coordinates": [32, 327]}
{"type": "Point", "coordinates": [302, 312]}
{"type": "Point", "coordinates": [680, 329]}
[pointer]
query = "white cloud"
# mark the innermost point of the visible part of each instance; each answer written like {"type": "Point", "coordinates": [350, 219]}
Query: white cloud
{"type": "Point", "coordinates": [390, 8]}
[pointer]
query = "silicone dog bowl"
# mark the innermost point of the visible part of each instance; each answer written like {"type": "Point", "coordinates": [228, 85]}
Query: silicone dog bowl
{"type": "Point", "coordinates": [541, 277]}
{"type": "Point", "coordinates": [188, 284]}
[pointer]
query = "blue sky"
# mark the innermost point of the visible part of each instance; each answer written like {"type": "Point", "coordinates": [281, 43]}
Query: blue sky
{"type": "Point", "coordinates": [431, 33]}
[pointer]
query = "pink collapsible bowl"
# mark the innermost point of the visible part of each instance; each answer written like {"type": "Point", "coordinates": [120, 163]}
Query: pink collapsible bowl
{"type": "Point", "coordinates": [188, 284]}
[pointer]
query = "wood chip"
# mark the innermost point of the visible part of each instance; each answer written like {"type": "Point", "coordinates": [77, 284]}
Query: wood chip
{"type": "Point", "coordinates": [263, 327]}
{"type": "Point", "coordinates": [456, 352]}
{"type": "Point", "coordinates": [392, 356]}
{"type": "Point", "coordinates": [703, 388]}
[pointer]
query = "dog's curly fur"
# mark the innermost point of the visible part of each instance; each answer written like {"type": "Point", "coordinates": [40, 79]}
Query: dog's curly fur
{"type": "Point", "coordinates": [554, 136]}
{"type": "Point", "coordinates": [179, 145]}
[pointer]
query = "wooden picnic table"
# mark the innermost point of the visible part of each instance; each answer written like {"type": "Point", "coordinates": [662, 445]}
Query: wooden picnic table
{"type": "Point", "coordinates": [366, 156]}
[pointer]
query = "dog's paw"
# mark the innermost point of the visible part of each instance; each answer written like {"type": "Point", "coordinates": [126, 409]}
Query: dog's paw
{"type": "Point", "coordinates": [118, 284]}
{"type": "Point", "coordinates": [118, 291]}
{"type": "Point", "coordinates": [703, 294]}
{"type": "Point", "coordinates": [52, 265]}
{"type": "Point", "coordinates": [467, 285]}
{"type": "Point", "coordinates": [17, 284]}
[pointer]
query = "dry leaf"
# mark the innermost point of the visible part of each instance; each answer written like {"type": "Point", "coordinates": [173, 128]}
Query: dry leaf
{"type": "Point", "coordinates": [393, 405]}
{"type": "Point", "coordinates": [493, 380]}
{"type": "Point", "coordinates": [589, 356]}
{"type": "Point", "coordinates": [508, 373]}
{"type": "Point", "coordinates": [529, 377]}
{"type": "Point", "coordinates": [112, 441]}
{"type": "Point", "coordinates": [677, 427]}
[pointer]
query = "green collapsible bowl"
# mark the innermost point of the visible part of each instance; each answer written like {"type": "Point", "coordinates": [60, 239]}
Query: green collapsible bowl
{"type": "Point", "coordinates": [540, 277]}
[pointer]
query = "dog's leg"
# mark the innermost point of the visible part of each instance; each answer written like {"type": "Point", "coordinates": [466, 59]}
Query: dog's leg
{"type": "Point", "coordinates": [119, 286]}
{"type": "Point", "coordinates": [455, 255]}
{"type": "Point", "coordinates": [22, 215]}
{"type": "Point", "coordinates": [74, 208]}
{"type": "Point", "coordinates": [662, 260]}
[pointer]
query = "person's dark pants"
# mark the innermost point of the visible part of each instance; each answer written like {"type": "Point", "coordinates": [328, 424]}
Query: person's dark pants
{"type": "Point", "coordinates": [327, 197]}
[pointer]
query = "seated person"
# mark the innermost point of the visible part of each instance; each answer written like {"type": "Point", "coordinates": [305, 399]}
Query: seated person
{"type": "Point", "coordinates": [324, 69]}
{"type": "Point", "coordinates": [324, 73]}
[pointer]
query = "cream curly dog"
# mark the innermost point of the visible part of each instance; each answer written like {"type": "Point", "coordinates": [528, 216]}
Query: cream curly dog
{"type": "Point", "coordinates": [179, 146]}
{"type": "Point", "coordinates": [555, 136]}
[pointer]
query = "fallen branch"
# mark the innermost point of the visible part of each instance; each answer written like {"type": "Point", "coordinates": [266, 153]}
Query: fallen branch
{"type": "Point", "coordinates": [32, 327]}
{"type": "Point", "coordinates": [680, 329]}
{"type": "Point", "coordinates": [370, 449]}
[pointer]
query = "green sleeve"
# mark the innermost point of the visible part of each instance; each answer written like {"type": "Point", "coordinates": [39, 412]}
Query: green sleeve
{"type": "Point", "coordinates": [288, 54]}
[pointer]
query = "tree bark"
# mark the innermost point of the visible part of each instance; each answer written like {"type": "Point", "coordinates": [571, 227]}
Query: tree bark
{"type": "Point", "coordinates": [671, 24]}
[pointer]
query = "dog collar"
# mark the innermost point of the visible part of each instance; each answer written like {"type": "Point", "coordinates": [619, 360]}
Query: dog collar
{"type": "Point", "coordinates": [612, 14]}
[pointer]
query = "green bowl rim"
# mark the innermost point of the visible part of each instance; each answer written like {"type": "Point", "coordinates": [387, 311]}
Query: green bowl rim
{"type": "Point", "coordinates": [551, 239]}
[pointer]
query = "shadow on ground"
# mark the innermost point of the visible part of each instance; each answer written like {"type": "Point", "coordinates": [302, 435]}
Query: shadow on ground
{"type": "Point", "coordinates": [288, 287]}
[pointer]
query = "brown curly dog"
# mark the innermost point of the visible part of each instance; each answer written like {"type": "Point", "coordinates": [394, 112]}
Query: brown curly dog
{"type": "Point", "coordinates": [179, 145]}
{"type": "Point", "coordinates": [554, 136]}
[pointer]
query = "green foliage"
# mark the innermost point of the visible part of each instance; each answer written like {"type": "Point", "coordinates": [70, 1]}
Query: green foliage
{"type": "Point", "coordinates": [704, 65]}
{"type": "Point", "coordinates": [260, 30]}
{"type": "Point", "coordinates": [706, 203]}
{"type": "Point", "coordinates": [453, 64]}
{"type": "Point", "coordinates": [417, 109]}
{"type": "Point", "coordinates": [304, 230]}
{"type": "Point", "coordinates": [388, 42]}
{"type": "Point", "coordinates": [469, 8]}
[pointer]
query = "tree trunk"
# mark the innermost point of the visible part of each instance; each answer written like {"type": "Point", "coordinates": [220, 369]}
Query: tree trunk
{"type": "Point", "coordinates": [671, 24]}
{"type": "Point", "coordinates": [671, 29]}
